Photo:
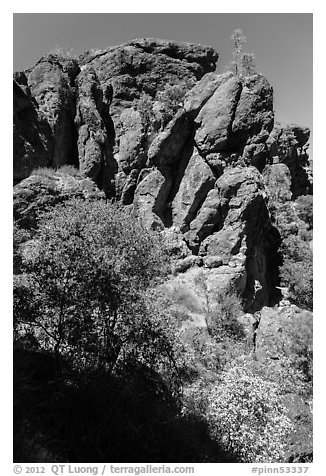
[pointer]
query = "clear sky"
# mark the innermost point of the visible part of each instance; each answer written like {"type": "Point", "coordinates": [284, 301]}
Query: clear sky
{"type": "Point", "coordinates": [281, 42]}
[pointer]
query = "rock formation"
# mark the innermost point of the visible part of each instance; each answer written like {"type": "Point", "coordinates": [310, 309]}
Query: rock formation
{"type": "Point", "coordinates": [44, 189]}
{"type": "Point", "coordinates": [151, 123]}
{"type": "Point", "coordinates": [32, 133]}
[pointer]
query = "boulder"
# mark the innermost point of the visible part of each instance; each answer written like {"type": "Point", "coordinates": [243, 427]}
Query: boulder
{"type": "Point", "coordinates": [255, 154]}
{"type": "Point", "coordinates": [132, 153]}
{"type": "Point", "coordinates": [288, 143]}
{"type": "Point", "coordinates": [151, 197]}
{"type": "Point", "coordinates": [174, 243]}
{"type": "Point", "coordinates": [219, 161]}
{"type": "Point", "coordinates": [150, 63]}
{"type": "Point", "coordinates": [224, 243]}
{"type": "Point", "coordinates": [207, 220]}
{"type": "Point", "coordinates": [184, 264]}
{"type": "Point", "coordinates": [254, 116]}
{"type": "Point", "coordinates": [224, 278]}
{"type": "Point", "coordinates": [202, 91]}
{"type": "Point", "coordinates": [166, 148]}
{"type": "Point", "coordinates": [212, 261]}
{"type": "Point", "coordinates": [214, 120]}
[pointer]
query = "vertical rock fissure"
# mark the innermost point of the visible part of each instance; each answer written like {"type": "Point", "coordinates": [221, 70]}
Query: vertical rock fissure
{"type": "Point", "coordinates": [176, 173]}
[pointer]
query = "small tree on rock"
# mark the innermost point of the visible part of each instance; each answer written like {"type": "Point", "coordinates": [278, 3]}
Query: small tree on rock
{"type": "Point", "coordinates": [243, 64]}
{"type": "Point", "coordinates": [248, 64]}
{"type": "Point", "coordinates": [239, 40]}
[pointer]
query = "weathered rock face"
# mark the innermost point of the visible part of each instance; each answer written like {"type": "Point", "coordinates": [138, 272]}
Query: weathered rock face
{"type": "Point", "coordinates": [240, 112]}
{"type": "Point", "coordinates": [32, 134]}
{"type": "Point", "coordinates": [49, 84]}
{"type": "Point", "coordinates": [151, 197]}
{"type": "Point", "coordinates": [278, 182]}
{"type": "Point", "coordinates": [93, 124]}
{"type": "Point", "coordinates": [132, 153]}
{"type": "Point", "coordinates": [209, 169]}
{"type": "Point", "coordinates": [288, 144]}
{"type": "Point", "coordinates": [215, 190]}
{"type": "Point", "coordinates": [202, 91]}
{"type": "Point", "coordinates": [254, 117]}
{"type": "Point", "coordinates": [196, 182]}
{"type": "Point", "coordinates": [226, 229]}
{"type": "Point", "coordinates": [166, 148]}
{"type": "Point", "coordinates": [214, 121]}
{"type": "Point", "coordinates": [142, 69]}
{"type": "Point", "coordinates": [148, 64]}
{"type": "Point", "coordinates": [126, 74]}
{"type": "Point", "coordinates": [42, 190]}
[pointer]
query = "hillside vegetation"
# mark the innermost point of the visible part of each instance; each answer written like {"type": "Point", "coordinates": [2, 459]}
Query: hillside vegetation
{"type": "Point", "coordinates": [163, 284]}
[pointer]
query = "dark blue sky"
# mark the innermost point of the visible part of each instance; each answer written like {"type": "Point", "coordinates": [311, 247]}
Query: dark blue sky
{"type": "Point", "coordinates": [281, 42]}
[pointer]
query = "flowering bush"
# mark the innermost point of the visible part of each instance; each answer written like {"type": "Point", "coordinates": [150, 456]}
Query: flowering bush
{"type": "Point", "coordinates": [245, 414]}
{"type": "Point", "coordinates": [245, 410]}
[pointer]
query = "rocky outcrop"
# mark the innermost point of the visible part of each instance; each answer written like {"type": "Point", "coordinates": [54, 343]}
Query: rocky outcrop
{"type": "Point", "coordinates": [226, 206]}
{"type": "Point", "coordinates": [240, 112]}
{"type": "Point", "coordinates": [150, 198]}
{"type": "Point", "coordinates": [254, 116]}
{"type": "Point", "coordinates": [126, 74]}
{"type": "Point", "coordinates": [31, 133]}
{"type": "Point", "coordinates": [197, 181]}
{"type": "Point", "coordinates": [152, 124]}
{"type": "Point", "coordinates": [278, 182]}
{"type": "Point", "coordinates": [49, 83]}
{"type": "Point", "coordinates": [214, 122]}
{"type": "Point", "coordinates": [132, 150]}
{"type": "Point", "coordinates": [139, 71]}
{"type": "Point", "coordinates": [167, 146]}
{"type": "Point", "coordinates": [202, 91]}
{"type": "Point", "coordinates": [147, 65]}
{"type": "Point", "coordinates": [46, 188]}
{"type": "Point", "coordinates": [288, 144]}
{"type": "Point", "coordinates": [226, 229]}
{"type": "Point", "coordinates": [213, 184]}
{"type": "Point", "coordinates": [93, 125]}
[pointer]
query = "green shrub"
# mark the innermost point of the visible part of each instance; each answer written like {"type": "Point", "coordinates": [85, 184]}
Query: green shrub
{"type": "Point", "coordinates": [84, 291]}
{"type": "Point", "coordinates": [222, 317]}
{"type": "Point", "coordinates": [20, 236]}
{"type": "Point", "coordinates": [145, 107]}
{"type": "Point", "coordinates": [222, 310]}
{"type": "Point", "coordinates": [297, 272]}
{"type": "Point", "coordinates": [172, 98]}
{"type": "Point", "coordinates": [69, 170]}
{"type": "Point", "coordinates": [44, 172]}
{"type": "Point", "coordinates": [51, 172]}
{"type": "Point", "coordinates": [248, 64]}
{"type": "Point", "coordinates": [304, 209]}
{"type": "Point", "coordinates": [300, 349]}
{"type": "Point", "coordinates": [63, 52]}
